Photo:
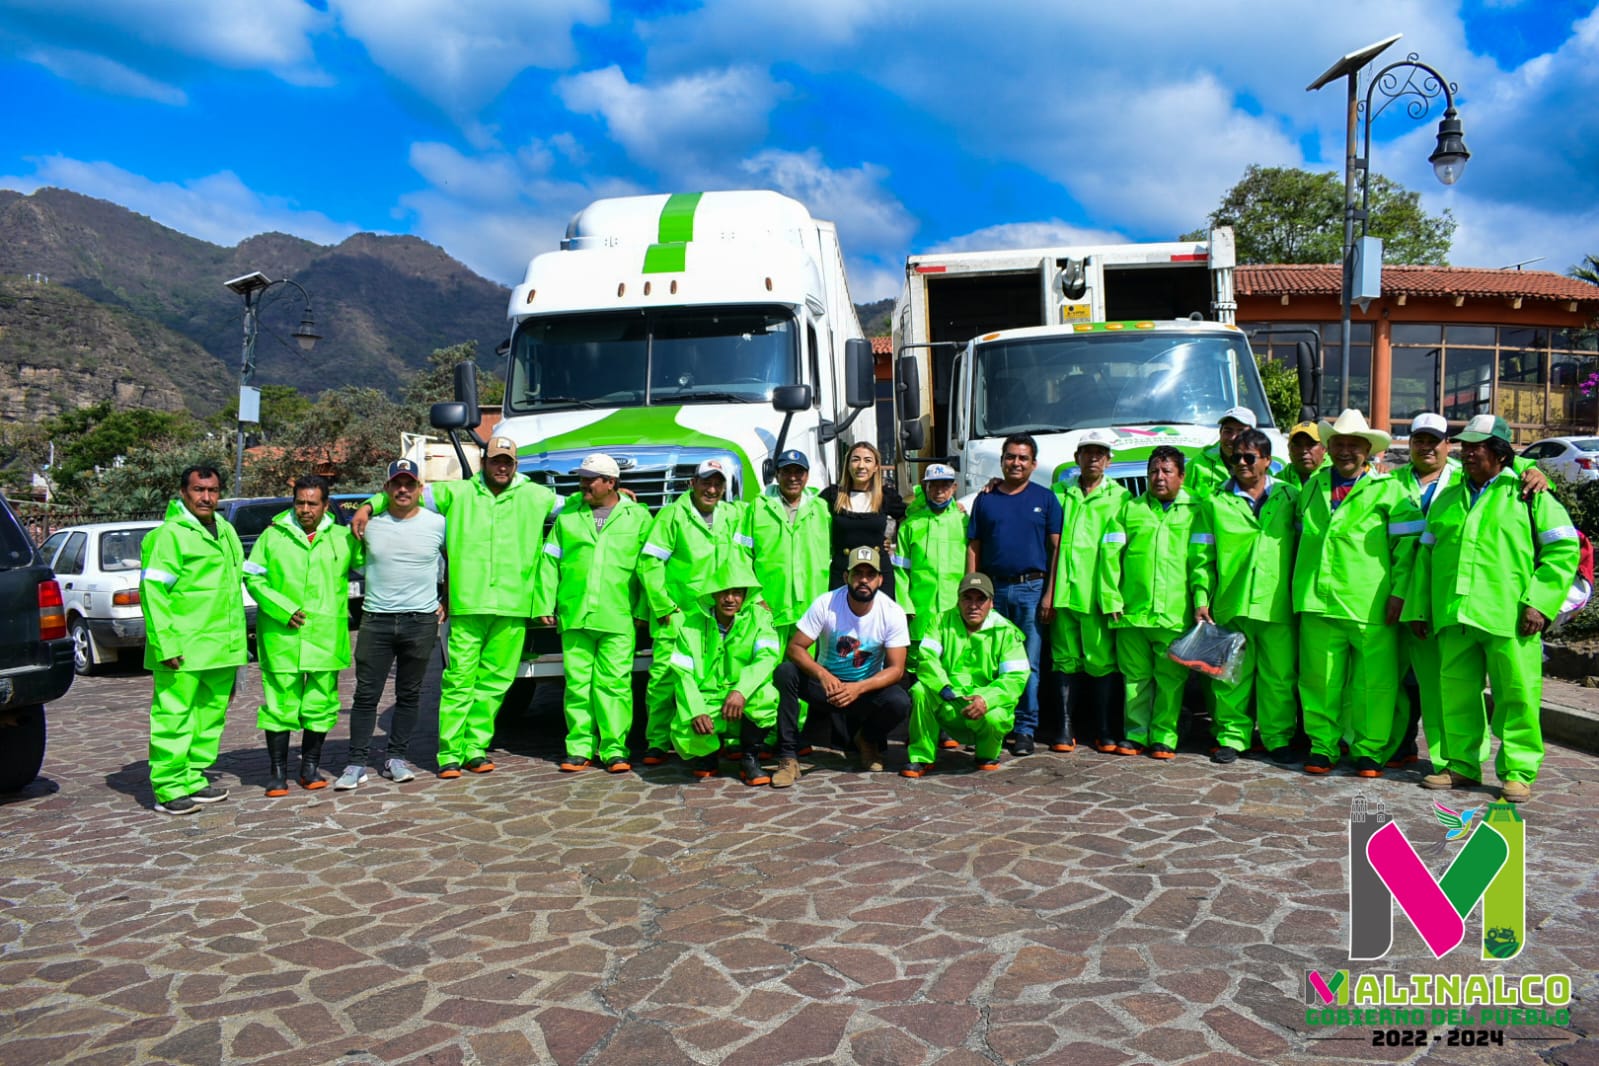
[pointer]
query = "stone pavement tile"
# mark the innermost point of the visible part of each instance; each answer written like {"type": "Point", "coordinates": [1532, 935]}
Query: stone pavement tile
{"type": "Point", "coordinates": [860, 965]}
{"type": "Point", "coordinates": [643, 1044]}
{"type": "Point", "coordinates": [244, 1005]}
{"type": "Point", "coordinates": [813, 1033]}
{"type": "Point", "coordinates": [694, 983]}
{"type": "Point", "coordinates": [1169, 1044]}
{"type": "Point", "coordinates": [1254, 1040]}
{"type": "Point", "coordinates": [404, 1044]}
{"type": "Point", "coordinates": [1081, 1053]}
{"type": "Point", "coordinates": [198, 1045]}
{"type": "Point", "coordinates": [1015, 1043]}
{"type": "Point", "coordinates": [257, 1041]}
{"type": "Point", "coordinates": [42, 1051]}
{"type": "Point", "coordinates": [885, 1047]}
{"type": "Point", "coordinates": [942, 1025]}
{"type": "Point", "coordinates": [389, 1009]}
{"type": "Point", "coordinates": [960, 979]}
{"type": "Point", "coordinates": [963, 1057]}
{"type": "Point", "coordinates": [502, 1049]}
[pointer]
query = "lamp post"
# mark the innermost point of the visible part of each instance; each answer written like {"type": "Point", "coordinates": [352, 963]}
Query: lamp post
{"type": "Point", "coordinates": [253, 287]}
{"type": "Point", "coordinates": [1421, 85]}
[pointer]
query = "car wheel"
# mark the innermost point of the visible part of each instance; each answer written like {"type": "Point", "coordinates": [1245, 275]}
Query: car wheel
{"type": "Point", "coordinates": [21, 747]}
{"type": "Point", "coordinates": [83, 660]}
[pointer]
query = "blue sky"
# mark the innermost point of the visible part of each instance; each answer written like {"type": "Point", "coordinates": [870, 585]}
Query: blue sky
{"type": "Point", "coordinates": [482, 126]}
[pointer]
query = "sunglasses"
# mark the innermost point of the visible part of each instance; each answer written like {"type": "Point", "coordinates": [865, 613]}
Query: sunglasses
{"type": "Point", "coordinates": [1247, 458]}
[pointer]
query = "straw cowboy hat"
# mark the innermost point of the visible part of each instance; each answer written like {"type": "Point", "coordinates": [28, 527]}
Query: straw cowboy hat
{"type": "Point", "coordinates": [1353, 424]}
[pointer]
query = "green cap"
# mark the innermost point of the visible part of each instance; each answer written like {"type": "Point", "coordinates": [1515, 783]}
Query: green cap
{"type": "Point", "coordinates": [1481, 427]}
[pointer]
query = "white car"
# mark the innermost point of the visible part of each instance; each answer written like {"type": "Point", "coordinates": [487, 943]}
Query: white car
{"type": "Point", "coordinates": [1573, 458]}
{"type": "Point", "coordinates": [97, 566]}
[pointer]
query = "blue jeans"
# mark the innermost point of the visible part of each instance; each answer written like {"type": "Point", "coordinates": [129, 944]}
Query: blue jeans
{"type": "Point", "coordinates": [1019, 604]}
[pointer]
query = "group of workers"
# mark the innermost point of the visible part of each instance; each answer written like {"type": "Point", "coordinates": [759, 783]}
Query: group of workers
{"type": "Point", "coordinates": [1372, 604]}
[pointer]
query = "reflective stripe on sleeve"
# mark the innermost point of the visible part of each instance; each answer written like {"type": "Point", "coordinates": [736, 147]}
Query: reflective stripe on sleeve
{"type": "Point", "coordinates": [249, 568]}
{"type": "Point", "coordinates": [899, 561]}
{"type": "Point", "coordinates": [766, 644]}
{"type": "Point", "coordinates": [663, 554]}
{"type": "Point", "coordinates": [552, 549]}
{"type": "Point", "coordinates": [1015, 666]}
{"type": "Point", "coordinates": [1405, 529]}
{"type": "Point", "coordinates": [1202, 538]}
{"type": "Point", "coordinates": [929, 644]}
{"type": "Point", "coordinates": [1428, 538]}
{"type": "Point", "coordinates": [1114, 538]}
{"type": "Point", "coordinates": [682, 661]}
{"type": "Point", "coordinates": [161, 577]}
{"type": "Point", "coordinates": [1549, 536]}
{"type": "Point", "coordinates": [748, 542]}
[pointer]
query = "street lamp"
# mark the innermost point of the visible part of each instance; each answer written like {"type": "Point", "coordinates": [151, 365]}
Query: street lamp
{"type": "Point", "coordinates": [253, 287]}
{"type": "Point", "coordinates": [1448, 159]}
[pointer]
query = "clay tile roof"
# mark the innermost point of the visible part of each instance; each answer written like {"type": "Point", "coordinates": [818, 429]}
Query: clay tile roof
{"type": "Point", "coordinates": [882, 345]}
{"type": "Point", "coordinates": [1322, 279]}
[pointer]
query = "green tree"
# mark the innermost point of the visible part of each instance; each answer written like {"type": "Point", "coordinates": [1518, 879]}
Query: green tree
{"type": "Point", "coordinates": [147, 479]}
{"type": "Point", "coordinates": [354, 431]}
{"type": "Point", "coordinates": [435, 383]}
{"type": "Point", "coordinates": [1288, 215]}
{"type": "Point", "coordinates": [1281, 383]}
{"type": "Point", "coordinates": [1587, 270]}
{"type": "Point", "coordinates": [282, 406]}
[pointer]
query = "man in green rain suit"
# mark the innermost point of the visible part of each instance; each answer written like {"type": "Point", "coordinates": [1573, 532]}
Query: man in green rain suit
{"type": "Point", "coordinates": [1358, 534]}
{"type": "Point", "coordinates": [785, 538]}
{"type": "Point", "coordinates": [722, 658]}
{"type": "Point", "coordinates": [691, 538]}
{"type": "Point", "coordinates": [299, 574]}
{"type": "Point", "coordinates": [1213, 465]}
{"type": "Point", "coordinates": [1495, 569]}
{"type": "Point", "coordinates": [588, 582]}
{"type": "Point", "coordinates": [932, 551]}
{"type": "Point", "coordinates": [191, 592]}
{"type": "Point", "coordinates": [1243, 553]}
{"type": "Point", "coordinates": [971, 670]}
{"type": "Point", "coordinates": [1306, 454]}
{"type": "Point", "coordinates": [1143, 587]}
{"type": "Point", "coordinates": [494, 536]}
{"type": "Point", "coordinates": [1081, 643]}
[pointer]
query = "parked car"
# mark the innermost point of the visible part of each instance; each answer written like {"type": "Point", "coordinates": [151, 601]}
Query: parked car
{"type": "Point", "coordinates": [1573, 458]}
{"type": "Point", "coordinates": [35, 652]}
{"type": "Point", "coordinates": [98, 567]}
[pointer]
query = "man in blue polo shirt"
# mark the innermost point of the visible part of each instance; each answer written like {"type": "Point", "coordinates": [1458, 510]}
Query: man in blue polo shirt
{"type": "Point", "coordinates": [1013, 536]}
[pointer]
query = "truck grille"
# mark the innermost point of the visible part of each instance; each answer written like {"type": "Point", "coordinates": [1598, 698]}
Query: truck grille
{"type": "Point", "coordinates": [1134, 483]}
{"type": "Point", "coordinates": [654, 488]}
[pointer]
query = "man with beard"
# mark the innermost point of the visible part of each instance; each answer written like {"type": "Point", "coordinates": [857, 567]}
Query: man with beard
{"type": "Point", "coordinates": [862, 639]}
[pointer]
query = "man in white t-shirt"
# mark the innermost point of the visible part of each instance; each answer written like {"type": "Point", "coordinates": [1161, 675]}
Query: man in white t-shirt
{"type": "Point", "coordinates": [861, 640]}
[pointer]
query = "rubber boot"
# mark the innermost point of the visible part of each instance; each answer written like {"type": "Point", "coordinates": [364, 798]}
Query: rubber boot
{"type": "Point", "coordinates": [310, 759]}
{"type": "Point", "coordinates": [1070, 687]}
{"type": "Point", "coordinates": [277, 745]}
{"type": "Point", "coordinates": [1108, 693]}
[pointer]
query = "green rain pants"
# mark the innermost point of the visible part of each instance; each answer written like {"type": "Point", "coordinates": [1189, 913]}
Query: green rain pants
{"type": "Point", "coordinates": [1351, 667]}
{"type": "Point", "coordinates": [930, 713]}
{"type": "Point", "coordinates": [692, 745]}
{"type": "Point", "coordinates": [1154, 685]}
{"type": "Point", "coordinates": [187, 712]}
{"type": "Point", "coordinates": [1082, 643]}
{"type": "Point", "coordinates": [1267, 674]}
{"type": "Point", "coordinates": [660, 703]}
{"type": "Point", "coordinates": [1514, 667]}
{"type": "Point", "coordinates": [1421, 656]}
{"type": "Point", "coordinates": [299, 701]}
{"type": "Point", "coordinates": [599, 692]}
{"type": "Point", "coordinates": [484, 651]}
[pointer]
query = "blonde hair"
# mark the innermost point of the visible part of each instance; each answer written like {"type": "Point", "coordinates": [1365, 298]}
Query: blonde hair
{"type": "Point", "coordinates": [874, 490]}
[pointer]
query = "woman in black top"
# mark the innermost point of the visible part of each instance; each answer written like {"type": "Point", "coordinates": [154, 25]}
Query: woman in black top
{"type": "Point", "coordinates": [865, 511]}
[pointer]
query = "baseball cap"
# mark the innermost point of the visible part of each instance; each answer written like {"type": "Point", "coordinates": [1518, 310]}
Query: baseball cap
{"type": "Point", "coordinates": [599, 465]}
{"type": "Point", "coordinates": [792, 457]}
{"type": "Point", "coordinates": [500, 446]}
{"type": "Point", "coordinates": [865, 554]}
{"type": "Point", "coordinates": [1428, 422]}
{"type": "Point", "coordinates": [1099, 437]}
{"type": "Point", "coordinates": [1239, 414]}
{"type": "Point", "coordinates": [1309, 429]}
{"type": "Point", "coordinates": [938, 472]}
{"type": "Point", "coordinates": [1482, 427]}
{"type": "Point", "coordinates": [713, 466]}
{"type": "Point", "coordinates": [403, 467]}
{"type": "Point", "coordinates": [979, 582]}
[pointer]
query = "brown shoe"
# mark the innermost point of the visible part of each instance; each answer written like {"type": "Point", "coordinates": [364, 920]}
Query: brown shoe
{"type": "Point", "coordinates": [787, 772]}
{"type": "Point", "coordinates": [1447, 780]}
{"type": "Point", "coordinates": [871, 757]}
{"type": "Point", "coordinates": [1515, 792]}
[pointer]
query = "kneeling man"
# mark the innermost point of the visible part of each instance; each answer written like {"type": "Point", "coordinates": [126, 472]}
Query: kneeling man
{"type": "Point", "coordinates": [971, 670]}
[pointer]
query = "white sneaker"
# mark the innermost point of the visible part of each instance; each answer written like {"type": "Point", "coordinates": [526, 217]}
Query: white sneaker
{"type": "Point", "coordinates": [399, 771]}
{"type": "Point", "coordinates": [352, 776]}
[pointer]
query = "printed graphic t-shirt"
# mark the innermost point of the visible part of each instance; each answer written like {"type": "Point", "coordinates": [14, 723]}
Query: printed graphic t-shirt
{"type": "Point", "coordinates": [850, 646]}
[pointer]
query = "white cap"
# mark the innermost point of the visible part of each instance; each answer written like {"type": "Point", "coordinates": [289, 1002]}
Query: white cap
{"type": "Point", "coordinates": [599, 465]}
{"type": "Point", "coordinates": [1430, 423]}
{"type": "Point", "coordinates": [1101, 437]}
{"type": "Point", "coordinates": [938, 472]}
{"type": "Point", "coordinates": [1240, 414]}
{"type": "Point", "coordinates": [711, 466]}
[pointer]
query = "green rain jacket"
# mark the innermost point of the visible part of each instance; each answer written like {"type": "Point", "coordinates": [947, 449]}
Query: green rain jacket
{"type": "Point", "coordinates": [1291, 475]}
{"type": "Point", "coordinates": [191, 590]}
{"type": "Point", "coordinates": [1205, 472]}
{"type": "Point", "coordinates": [1144, 566]}
{"type": "Point", "coordinates": [707, 666]}
{"type": "Point", "coordinates": [681, 553]}
{"type": "Point", "coordinates": [494, 542]}
{"type": "Point", "coordinates": [1406, 476]}
{"type": "Point", "coordinates": [289, 572]}
{"type": "Point", "coordinates": [1351, 560]}
{"type": "Point", "coordinates": [991, 663]}
{"type": "Point", "coordinates": [588, 579]}
{"type": "Point", "coordinates": [930, 563]}
{"type": "Point", "coordinates": [1243, 563]}
{"type": "Point", "coordinates": [1478, 565]}
{"type": "Point", "coordinates": [789, 558]}
{"type": "Point", "coordinates": [1085, 519]}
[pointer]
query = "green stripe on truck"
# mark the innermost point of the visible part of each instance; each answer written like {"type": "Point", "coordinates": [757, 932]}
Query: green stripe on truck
{"type": "Point", "coordinates": [677, 217]}
{"type": "Point", "coordinates": [665, 258]}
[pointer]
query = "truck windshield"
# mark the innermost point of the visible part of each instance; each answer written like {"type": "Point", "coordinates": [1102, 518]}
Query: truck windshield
{"type": "Point", "coordinates": [636, 358]}
{"type": "Point", "coordinates": [1076, 381]}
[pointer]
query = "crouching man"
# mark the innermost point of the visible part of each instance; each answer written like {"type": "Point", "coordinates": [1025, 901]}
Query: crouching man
{"type": "Point", "coordinates": [722, 660]}
{"type": "Point", "coordinates": [971, 670]}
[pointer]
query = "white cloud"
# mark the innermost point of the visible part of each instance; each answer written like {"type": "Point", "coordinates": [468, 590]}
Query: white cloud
{"type": "Point", "coordinates": [218, 207]}
{"type": "Point", "coordinates": [868, 216]}
{"type": "Point", "coordinates": [1007, 235]}
{"type": "Point", "coordinates": [105, 74]}
{"type": "Point", "coordinates": [1505, 234]}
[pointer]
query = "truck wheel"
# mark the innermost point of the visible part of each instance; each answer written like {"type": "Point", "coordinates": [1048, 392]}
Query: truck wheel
{"type": "Point", "coordinates": [83, 659]}
{"type": "Point", "coordinates": [21, 747]}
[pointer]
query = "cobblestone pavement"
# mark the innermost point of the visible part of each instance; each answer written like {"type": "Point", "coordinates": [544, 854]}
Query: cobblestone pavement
{"type": "Point", "coordinates": [1072, 909]}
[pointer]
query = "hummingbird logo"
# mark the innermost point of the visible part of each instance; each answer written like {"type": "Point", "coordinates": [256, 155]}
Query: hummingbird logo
{"type": "Point", "coordinates": [1457, 822]}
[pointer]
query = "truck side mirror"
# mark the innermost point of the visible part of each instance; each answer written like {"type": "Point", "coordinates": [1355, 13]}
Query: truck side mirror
{"type": "Point", "coordinates": [791, 398]}
{"type": "Point", "coordinates": [1309, 367]}
{"type": "Point", "coordinates": [913, 436]}
{"type": "Point", "coordinates": [466, 394]}
{"type": "Point", "coordinates": [448, 416]}
{"type": "Point", "coordinates": [908, 385]}
{"type": "Point", "coordinates": [860, 376]}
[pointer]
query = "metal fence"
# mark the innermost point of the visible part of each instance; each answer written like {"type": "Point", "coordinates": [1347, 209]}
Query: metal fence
{"type": "Point", "coordinates": [41, 520]}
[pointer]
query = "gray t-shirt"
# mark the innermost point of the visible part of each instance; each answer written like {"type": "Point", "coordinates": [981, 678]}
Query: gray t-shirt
{"type": "Point", "coordinates": [402, 562]}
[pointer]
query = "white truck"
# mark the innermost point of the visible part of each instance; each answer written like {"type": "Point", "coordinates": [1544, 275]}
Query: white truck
{"type": "Point", "coordinates": [672, 329]}
{"type": "Point", "coordinates": [1136, 338]}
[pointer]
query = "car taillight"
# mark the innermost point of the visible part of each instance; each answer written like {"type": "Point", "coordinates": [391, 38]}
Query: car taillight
{"type": "Point", "coordinates": [125, 598]}
{"type": "Point", "coordinates": [1584, 462]}
{"type": "Point", "coordinates": [52, 614]}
